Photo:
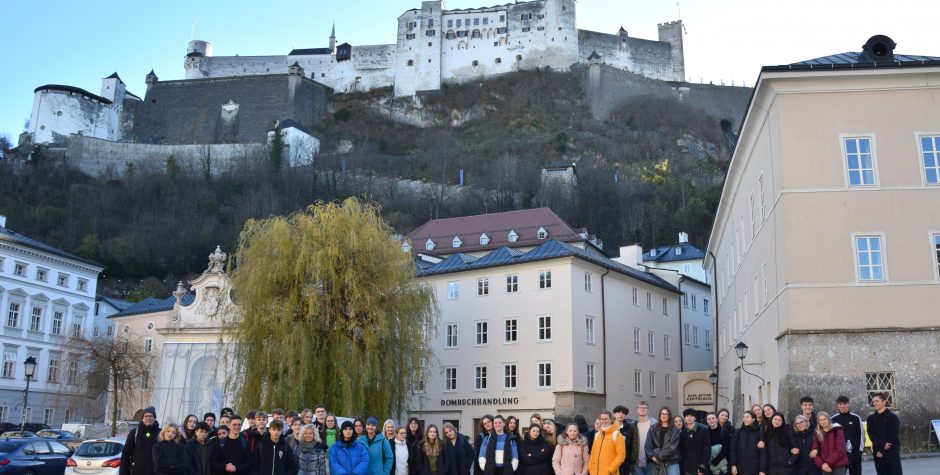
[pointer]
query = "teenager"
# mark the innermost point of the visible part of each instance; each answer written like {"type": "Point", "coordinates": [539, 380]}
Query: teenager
{"type": "Point", "coordinates": [769, 411]}
{"type": "Point", "coordinates": [780, 453]}
{"type": "Point", "coordinates": [209, 418]}
{"type": "Point", "coordinates": [608, 452]}
{"type": "Point", "coordinates": [571, 454]}
{"type": "Point", "coordinates": [641, 429]}
{"type": "Point", "coordinates": [807, 404]}
{"type": "Point", "coordinates": [197, 450]}
{"type": "Point", "coordinates": [499, 452]}
{"type": "Point", "coordinates": [694, 445]}
{"type": "Point", "coordinates": [662, 443]}
{"type": "Point", "coordinates": [627, 430]}
{"type": "Point", "coordinates": [137, 455]}
{"type": "Point", "coordinates": [549, 432]}
{"type": "Point", "coordinates": [433, 458]}
{"type": "Point", "coordinates": [347, 456]}
{"type": "Point", "coordinates": [231, 454]}
{"type": "Point", "coordinates": [724, 418]}
{"type": "Point", "coordinates": [459, 447]}
{"type": "Point", "coordinates": [310, 452]}
{"type": "Point", "coordinates": [486, 426]}
{"type": "Point", "coordinates": [169, 457]}
{"type": "Point", "coordinates": [318, 419]}
{"type": "Point", "coordinates": [720, 440]}
{"type": "Point", "coordinates": [188, 428]}
{"type": "Point", "coordinates": [359, 427]}
{"type": "Point", "coordinates": [829, 446]}
{"type": "Point", "coordinates": [758, 414]}
{"type": "Point", "coordinates": [512, 426]}
{"type": "Point", "coordinates": [331, 431]}
{"type": "Point", "coordinates": [293, 434]}
{"type": "Point", "coordinates": [746, 444]}
{"type": "Point", "coordinates": [535, 453]}
{"type": "Point", "coordinates": [275, 457]}
{"type": "Point", "coordinates": [854, 438]}
{"type": "Point", "coordinates": [380, 453]}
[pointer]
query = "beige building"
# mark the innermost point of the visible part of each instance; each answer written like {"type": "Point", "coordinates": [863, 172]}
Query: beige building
{"type": "Point", "coordinates": [535, 318]}
{"type": "Point", "coordinates": [825, 245]}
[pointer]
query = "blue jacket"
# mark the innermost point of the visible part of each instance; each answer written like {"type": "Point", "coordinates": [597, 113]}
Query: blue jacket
{"type": "Point", "coordinates": [349, 458]}
{"type": "Point", "coordinates": [380, 454]}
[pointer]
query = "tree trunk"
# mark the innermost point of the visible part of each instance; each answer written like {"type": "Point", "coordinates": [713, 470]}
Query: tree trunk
{"type": "Point", "coordinates": [114, 405]}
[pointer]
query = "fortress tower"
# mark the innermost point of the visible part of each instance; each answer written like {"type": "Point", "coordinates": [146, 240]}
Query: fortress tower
{"type": "Point", "coordinates": [671, 33]}
{"type": "Point", "coordinates": [195, 63]}
{"type": "Point", "coordinates": [333, 39]}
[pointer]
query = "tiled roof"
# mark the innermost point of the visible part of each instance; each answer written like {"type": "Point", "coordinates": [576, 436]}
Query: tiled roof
{"type": "Point", "coordinates": [17, 238]}
{"type": "Point", "coordinates": [551, 249]}
{"type": "Point", "coordinates": [310, 51]}
{"type": "Point", "coordinates": [668, 253]}
{"type": "Point", "coordinates": [152, 304]}
{"type": "Point", "coordinates": [497, 226]}
{"type": "Point", "coordinates": [119, 304]}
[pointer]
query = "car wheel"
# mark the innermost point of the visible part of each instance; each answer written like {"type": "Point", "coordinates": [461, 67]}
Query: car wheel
{"type": "Point", "coordinates": [29, 472]}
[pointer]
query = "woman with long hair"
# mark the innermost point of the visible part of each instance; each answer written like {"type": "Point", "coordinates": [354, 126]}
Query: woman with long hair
{"type": "Point", "coordinates": [433, 456]}
{"type": "Point", "coordinates": [169, 455]}
{"type": "Point", "coordinates": [745, 454]}
{"type": "Point", "coordinates": [414, 436]}
{"type": "Point", "coordinates": [461, 454]}
{"type": "Point", "coordinates": [829, 446]}
{"type": "Point", "coordinates": [758, 412]}
{"type": "Point", "coordinates": [769, 411]}
{"type": "Point", "coordinates": [499, 452]}
{"type": "Point", "coordinates": [571, 454]}
{"type": "Point", "coordinates": [512, 426]}
{"type": "Point", "coordinates": [724, 418]}
{"type": "Point", "coordinates": [779, 447]}
{"type": "Point", "coordinates": [535, 454]}
{"type": "Point", "coordinates": [359, 427]}
{"type": "Point", "coordinates": [189, 427]}
{"type": "Point", "coordinates": [662, 443]}
{"type": "Point", "coordinates": [550, 433]}
{"type": "Point", "coordinates": [309, 452]}
{"type": "Point", "coordinates": [486, 426]}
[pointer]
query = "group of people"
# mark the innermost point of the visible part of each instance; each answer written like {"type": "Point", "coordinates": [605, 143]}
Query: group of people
{"type": "Point", "coordinates": [312, 443]}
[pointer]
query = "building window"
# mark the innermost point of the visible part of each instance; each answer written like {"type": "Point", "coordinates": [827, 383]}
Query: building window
{"type": "Point", "coordinates": [453, 290]}
{"type": "Point", "coordinates": [450, 379]}
{"type": "Point", "coordinates": [148, 344]}
{"type": "Point", "coordinates": [513, 236]}
{"type": "Point", "coordinates": [636, 340]}
{"type": "Point", "coordinates": [4, 412]}
{"type": "Point", "coordinates": [636, 295]}
{"type": "Point", "coordinates": [706, 308]}
{"type": "Point", "coordinates": [753, 216]}
{"type": "Point", "coordinates": [511, 331]}
{"type": "Point", "coordinates": [666, 351]}
{"type": "Point", "coordinates": [53, 376]}
{"type": "Point", "coordinates": [545, 328]}
{"type": "Point", "coordinates": [42, 274]}
{"type": "Point", "coordinates": [9, 363]}
{"type": "Point", "coordinates": [481, 333]}
{"type": "Point", "coordinates": [94, 331]}
{"type": "Point", "coordinates": [649, 301]}
{"type": "Point", "coordinates": [936, 249]}
{"type": "Point", "coordinates": [19, 269]}
{"type": "Point", "coordinates": [484, 239]}
{"type": "Point", "coordinates": [766, 287]}
{"type": "Point", "coordinates": [930, 149]}
{"type": "Point", "coordinates": [509, 376]}
{"type": "Point", "coordinates": [479, 378]}
{"type": "Point", "coordinates": [685, 299]}
{"type": "Point", "coordinates": [82, 285]}
{"type": "Point", "coordinates": [483, 286]}
{"type": "Point", "coordinates": [637, 386]}
{"type": "Point", "coordinates": [526, 29]}
{"type": "Point", "coordinates": [450, 23]}
{"type": "Point", "coordinates": [870, 260]}
{"type": "Point", "coordinates": [409, 36]}
{"type": "Point", "coordinates": [430, 33]}
{"type": "Point", "coordinates": [512, 283]}
{"type": "Point", "coordinates": [651, 344]}
{"type": "Point", "coordinates": [860, 161]}
{"type": "Point", "coordinates": [545, 375]}
{"type": "Point", "coordinates": [708, 339]}
{"type": "Point", "coordinates": [456, 242]}
{"type": "Point", "coordinates": [429, 245]}
{"type": "Point", "coordinates": [73, 372]}
{"type": "Point", "coordinates": [881, 383]}
{"type": "Point", "coordinates": [667, 388]}
{"type": "Point", "coordinates": [145, 379]}
{"type": "Point", "coordinates": [13, 316]}
{"type": "Point", "coordinates": [57, 318]}
{"type": "Point", "coordinates": [47, 414]}
{"type": "Point", "coordinates": [760, 182]}
{"type": "Point", "coordinates": [545, 279]}
{"type": "Point", "coordinates": [542, 233]}
{"type": "Point", "coordinates": [588, 282]}
{"type": "Point", "coordinates": [76, 330]}
{"type": "Point", "coordinates": [68, 415]}
{"type": "Point", "coordinates": [110, 331]}
{"type": "Point", "coordinates": [695, 336]}
{"type": "Point", "coordinates": [686, 333]}
{"type": "Point", "coordinates": [450, 335]}
{"type": "Point", "coordinates": [589, 331]}
{"type": "Point", "coordinates": [35, 320]}
{"type": "Point", "coordinates": [665, 306]}
{"type": "Point", "coordinates": [591, 382]}
{"type": "Point", "coordinates": [652, 384]}
{"type": "Point", "coordinates": [694, 301]}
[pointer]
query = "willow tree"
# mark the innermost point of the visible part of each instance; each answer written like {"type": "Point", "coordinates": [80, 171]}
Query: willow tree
{"type": "Point", "coordinates": [329, 310]}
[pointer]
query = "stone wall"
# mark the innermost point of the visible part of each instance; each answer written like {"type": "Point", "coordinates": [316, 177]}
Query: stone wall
{"type": "Point", "coordinates": [827, 365]}
{"type": "Point", "coordinates": [226, 110]}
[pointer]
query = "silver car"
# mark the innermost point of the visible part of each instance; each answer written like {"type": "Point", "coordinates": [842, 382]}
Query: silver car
{"type": "Point", "coordinates": [96, 457]}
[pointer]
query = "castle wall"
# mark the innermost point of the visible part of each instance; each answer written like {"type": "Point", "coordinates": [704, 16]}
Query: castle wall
{"type": "Point", "coordinates": [56, 114]}
{"type": "Point", "coordinates": [652, 59]}
{"type": "Point", "coordinates": [370, 67]}
{"type": "Point", "coordinates": [226, 110]}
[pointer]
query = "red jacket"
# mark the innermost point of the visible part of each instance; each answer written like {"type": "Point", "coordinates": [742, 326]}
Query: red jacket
{"type": "Point", "coordinates": [831, 448]}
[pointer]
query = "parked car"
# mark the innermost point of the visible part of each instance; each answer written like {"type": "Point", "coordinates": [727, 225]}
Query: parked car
{"type": "Point", "coordinates": [8, 426]}
{"type": "Point", "coordinates": [32, 457]}
{"type": "Point", "coordinates": [96, 457]}
{"type": "Point", "coordinates": [19, 434]}
{"type": "Point", "coordinates": [63, 437]}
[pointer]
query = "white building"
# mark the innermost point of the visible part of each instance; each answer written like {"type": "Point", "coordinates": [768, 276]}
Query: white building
{"type": "Point", "coordinates": [47, 295]}
{"type": "Point", "coordinates": [59, 111]}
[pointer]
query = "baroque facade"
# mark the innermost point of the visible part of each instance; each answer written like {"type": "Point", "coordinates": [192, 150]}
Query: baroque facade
{"type": "Point", "coordinates": [437, 46]}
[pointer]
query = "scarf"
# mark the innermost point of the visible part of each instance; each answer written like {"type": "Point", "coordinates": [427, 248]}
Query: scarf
{"type": "Point", "coordinates": [306, 447]}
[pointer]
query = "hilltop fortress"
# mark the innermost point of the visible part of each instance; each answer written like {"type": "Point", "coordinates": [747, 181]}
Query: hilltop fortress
{"type": "Point", "coordinates": [438, 46]}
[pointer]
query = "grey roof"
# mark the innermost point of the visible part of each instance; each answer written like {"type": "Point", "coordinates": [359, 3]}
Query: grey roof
{"type": "Point", "coordinates": [119, 304]}
{"type": "Point", "coordinates": [288, 123]}
{"type": "Point", "coordinates": [17, 238]}
{"type": "Point", "coordinates": [309, 51]}
{"type": "Point", "coordinates": [668, 253]}
{"type": "Point", "coordinates": [551, 249]}
{"type": "Point", "coordinates": [152, 304]}
{"type": "Point", "coordinates": [114, 75]}
{"type": "Point", "coordinates": [851, 59]}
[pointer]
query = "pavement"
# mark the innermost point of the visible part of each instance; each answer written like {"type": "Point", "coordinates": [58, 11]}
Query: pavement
{"type": "Point", "coordinates": [926, 465]}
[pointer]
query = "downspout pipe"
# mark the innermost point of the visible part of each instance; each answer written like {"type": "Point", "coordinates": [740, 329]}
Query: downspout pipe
{"type": "Point", "coordinates": [604, 326]}
{"type": "Point", "coordinates": [717, 350]}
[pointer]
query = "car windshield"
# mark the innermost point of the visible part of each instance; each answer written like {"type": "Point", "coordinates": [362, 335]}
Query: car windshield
{"type": "Point", "coordinates": [99, 449]}
{"type": "Point", "coordinates": [7, 447]}
{"type": "Point", "coordinates": [49, 434]}
{"type": "Point", "coordinates": [13, 435]}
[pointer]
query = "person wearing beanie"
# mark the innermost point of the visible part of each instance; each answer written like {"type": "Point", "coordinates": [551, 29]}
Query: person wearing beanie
{"type": "Point", "coordinates": [381, 458]}
{"type": "Point", "coordinates": [209, 418]}
{"type": "Point", "coordinates": [348, 456]}
{"type": "Point", "coordinates": [137, 456]}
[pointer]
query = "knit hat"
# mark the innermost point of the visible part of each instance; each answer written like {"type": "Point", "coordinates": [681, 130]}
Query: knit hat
{"type": "Point", "coordinates": [149, 410]}
{"type": "Point", "coordinates": [372, 421]}
{"type": "Point", "coordinates": [346, 425]}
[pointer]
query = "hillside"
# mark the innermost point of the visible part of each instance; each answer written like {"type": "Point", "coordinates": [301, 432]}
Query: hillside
{"type": "Point", "coordinates": [653, 169]}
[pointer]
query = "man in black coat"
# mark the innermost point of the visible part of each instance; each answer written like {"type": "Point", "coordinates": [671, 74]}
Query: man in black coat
{"type": "Point", "coordinates": [197, 450]}
{"type": "Point", "coordinates": [718, 435]}
{"type": "Point", "coordinates": [274, 456]}
{"type": "Point", "coordinates": [883, 430]}
{"type": "Point", "coordinates": [695, 446]}
{"type": "Point", "coordinates": [629, 440]}
{"type": "Point", "coordinates": [137, 458]}
{"type": "Point", "coordinates": [854, 439]}
{"type": "Point", "coordinates": [231, 455]}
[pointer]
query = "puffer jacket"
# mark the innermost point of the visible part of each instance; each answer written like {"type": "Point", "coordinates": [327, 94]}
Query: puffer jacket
{"type": "Point", "coordinates": [312, 462]}
{"type": "Point", "coordinates": [831, 448]}
{"type": "Point", "coordinates": [380, 454]}
{"type": "Point", "coordinates": [776, 457]}
{"type": "Point", "coordinates": [608, 452]}
{"type": "Point", "coordinates": [667, 451]}
{"type": "Point", "coordinates": [744, 453]}
{"type": "Point", "coordinates": [535, 456]}
{"type": "Point", "coordinates": [571, 457]}
{"type": "Point", "coordinates": [348, 458]}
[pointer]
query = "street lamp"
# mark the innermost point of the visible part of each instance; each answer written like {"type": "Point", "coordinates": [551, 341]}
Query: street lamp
{"type": "Point", "coordinates": [30, 367]}
{"type": "Point", "coordinates": [741, 350]}
{"type": "Point", "coordinates": [713, 378]}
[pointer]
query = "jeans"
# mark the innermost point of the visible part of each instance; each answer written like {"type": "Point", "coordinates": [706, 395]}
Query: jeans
{"type": "Point", "coordinates": [673, 469]}
{"type": "Point", "coordinates": [647, 470]}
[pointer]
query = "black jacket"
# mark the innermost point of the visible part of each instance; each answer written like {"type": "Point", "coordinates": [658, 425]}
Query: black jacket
{"type": "Point", "coordinates": [719, 436]}
{"type": "Point", "coordinates": [169, 458]}
{"type": "Point", "coordinates": [630, 439]}
{"type": "Point", "coordinates": [744, 453]}
{"type": "Point", "coordinates": [535, 456]}
{"type": "Point", "coordinates": [233, 451]}
{"type": "Point", "coordinates": [663, 444]}
{"type": "Point", "coordinates": [852, 428]}
{"type": "Point", "coordinates": [776, 457]}
{"type": "Point", "coordinates": [461, 455]}
{"type": "Point", "coordinates": [274, 458]}
{"type": "Point", "coordinates": [423, 462]}
{"type": "Point", "coordinates": [884, 429]}
{"type": "Point", "coordinates": [197, 464]}
{"type": "Point", "coordinates": [804, 442]}
{"type": "Point", "coordinates": [137, 456]}
{"type": "Point", "coordinates": [695, 449]}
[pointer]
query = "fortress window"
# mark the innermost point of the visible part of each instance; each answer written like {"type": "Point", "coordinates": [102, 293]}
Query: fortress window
{"type": "Point", "coordinates": [518, 57]}
{"type": "Point", "coordinates": [430, 33]}
{"type": "Point", "coordinates": [540, 16]}
{"type": "Point", "coordinates": [459, 23]}
{"type": "Point", "coordinates": [476, 34]}
{"type": "Point", "coordinates": [430, 43]}
{"type": "Point", "coordinates": [501, 30]}
{"type": "Point", "coordinates": [411, 62]}
{"type": "Point", "coordinates": [462, 34]}
{"type": "Point", "coordinates": [431, 23]}
{"type": "Point", "coordinates": [486, 21]}
{"type": "Point", "coordinates": [541, 28]}
{"type": "Point", "coordinates": [451, 35]}
{"type": "Point", "coordinates": [410, 36]}
{"type": "Point", "coordinates": [450, 23]}
{"type": "Point", "coordinates": [499, 60]}
{"type": "Point", "coordinates": [476, 63]}
{"type": "Point", "coordinates": [476, 22]}
{"type": "Point", "coordinates": [502, 18]}
{"type": "Point", "coordinates": [527, 28]}
{"type": "Point", "coordinates": [59, 113]}
{"type": "Point", "coordinates": [496, 43]}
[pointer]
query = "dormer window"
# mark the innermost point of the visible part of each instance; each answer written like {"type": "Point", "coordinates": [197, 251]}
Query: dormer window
{"type": "Point", "coordinates": [542, 234]}
{"type": "Point", "coordinates": [513, 237]}
{"type": "Point", "coordinates": [678, 251]}
{"type": "Point", "coordinates": [405, 247]}
{"type": "Point", "coordinates": [456, 242]}
{"type": "Point", "coordinates": [484, 239]}
{"type": "Point", "coordinates": [652, 252]}
{"type": "Point", "coordinates": [429, 245]}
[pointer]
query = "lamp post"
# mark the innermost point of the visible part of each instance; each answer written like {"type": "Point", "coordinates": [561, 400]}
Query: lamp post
{"type": "Point", "coordinates": [30, 367]}
{"type": "Point", "coordinates": [713, 378]}
{"type": "Point", "coordinates": [741, 350]}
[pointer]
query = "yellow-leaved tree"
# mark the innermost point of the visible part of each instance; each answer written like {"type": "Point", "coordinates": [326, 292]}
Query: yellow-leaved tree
{"type": "Point", "coordinates": [329, 311]}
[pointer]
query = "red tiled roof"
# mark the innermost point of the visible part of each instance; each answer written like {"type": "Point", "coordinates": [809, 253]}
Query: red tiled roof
{"type": "Point", "coordinates": [497, 226]}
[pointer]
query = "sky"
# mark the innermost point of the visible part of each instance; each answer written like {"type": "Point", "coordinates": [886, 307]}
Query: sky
{"type": "Point", "coordinates": [76, 42]}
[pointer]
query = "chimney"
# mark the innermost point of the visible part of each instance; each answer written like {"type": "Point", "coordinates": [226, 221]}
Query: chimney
{"type": "Point", "coordinates": [631, 256]}
{"type": "Point", "coordinates": [683, 238]}
{"type": "Point", "coordinates": [3, 221]}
